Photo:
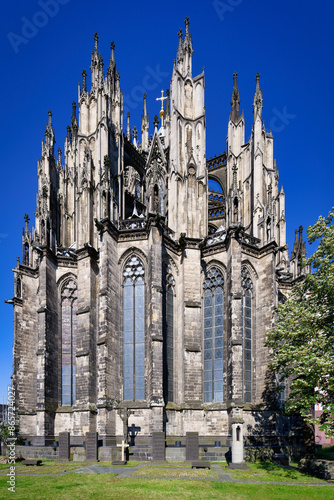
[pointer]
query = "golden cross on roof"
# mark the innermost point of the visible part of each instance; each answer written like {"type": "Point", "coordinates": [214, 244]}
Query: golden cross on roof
{"type": "Point", "coordinates": [162, 111]}
{"type": "Point", "coordinates": [162, 98]}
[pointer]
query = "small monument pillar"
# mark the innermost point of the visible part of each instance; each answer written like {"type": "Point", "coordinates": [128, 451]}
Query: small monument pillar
{"type": "Point", "coordinates": [237, 443]}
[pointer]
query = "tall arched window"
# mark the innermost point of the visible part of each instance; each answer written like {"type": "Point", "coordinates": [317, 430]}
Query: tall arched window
{"type": "Point", "coordinates": [68, 342]}
{"type": "Point", "coordinates": [168, 333]}
{"type": "Point", "coordinates": [247, 306]}
{"type": "Point", "coordinates": [134, 330]}
{"type": "Point", "coordinates": [213, 336]}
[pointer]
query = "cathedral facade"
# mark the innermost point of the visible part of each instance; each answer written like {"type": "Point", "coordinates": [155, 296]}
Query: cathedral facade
{"type": "Point", "coordinates": [151, 276]}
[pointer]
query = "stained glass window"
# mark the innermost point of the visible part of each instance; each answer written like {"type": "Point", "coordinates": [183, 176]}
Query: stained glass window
{"type": "Point", "coordinates": [168, 329]}
{"type": "Point", "coordinates": [213, 336]}
{"type": "Point", "coordinates": [68, 349]}
{"type": "Point", "coordinates": [247, 287]}
{"type": "Point", "coordinates": [134, 330]}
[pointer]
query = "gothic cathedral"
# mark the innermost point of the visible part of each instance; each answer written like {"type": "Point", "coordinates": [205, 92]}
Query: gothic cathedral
{"type": "Point", "coordinates": [151, 275]}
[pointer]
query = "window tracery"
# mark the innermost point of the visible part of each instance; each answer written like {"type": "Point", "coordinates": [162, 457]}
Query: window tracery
{"type": "Point", "coordinates": [68, 342]}
{"type": "Point", "coordinates": [247, 305]}
{"type": "Point", "coordinates": [134, 329]}
{"type": "Point", "coordinates": [213, 336]}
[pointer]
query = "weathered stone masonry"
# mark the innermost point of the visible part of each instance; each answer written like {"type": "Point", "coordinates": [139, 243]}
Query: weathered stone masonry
{"type": "Point", "coordinates": [107, 199]}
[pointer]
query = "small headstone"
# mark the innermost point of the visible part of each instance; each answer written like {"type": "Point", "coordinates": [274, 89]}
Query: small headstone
{"type": "Point", "coordinates": [281, 459]}
{"type": "Point", "coordinates": [31, 462]}
{"type": "Point", "coordinates": [91, 445]}
{"type": "Point", "coordinates": [200, 465]}
{"type": "Point", "coordinates": [158, 446]}
{"type": "Point", "coordinates": [64, 446]}
{"type": "Point", "coordinates": [192, 446]}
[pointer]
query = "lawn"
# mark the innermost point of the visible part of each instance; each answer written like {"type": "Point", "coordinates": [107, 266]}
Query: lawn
{"type": "Point", "coordinates": [267, 471]}
{"type": "Point", "coordinates": [160, 481]}
{"type": "Point", "coordinates": [106, 486]}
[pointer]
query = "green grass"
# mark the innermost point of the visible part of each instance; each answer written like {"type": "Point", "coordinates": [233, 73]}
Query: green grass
{"type": "Point", "coordinates": [109, 464]}
{"type": "Point", "coordinates": [267, 471]}
{"type": "Point", "coordinates": [173, 471]}
{"type": "Point", "coordinates": [47, 467]}
{"type": "Point", "coordinates": [106, 486]}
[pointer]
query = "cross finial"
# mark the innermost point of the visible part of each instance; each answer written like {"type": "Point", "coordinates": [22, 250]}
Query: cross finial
{"type": "Point", "coordinates": [162, 111]}
{"type": "Point", "coordinates": [26, 218]}
{"type": "Point", "coordinates": [162, 98]}
{"type": "Point", "coordinates": [187, 22]}
{"type": "Point", "coordinates": [96, 40]}
{"type": "Point", "coordinates": [134, 132]}
{"type": "Point", "coordinates": [180, 33]}
{"type": "Point", "coordinates": [84, 81]}
{"type": "Point", "coordinates": [112, 48]}
{"type": "Point", "coordinates": [156, 122]}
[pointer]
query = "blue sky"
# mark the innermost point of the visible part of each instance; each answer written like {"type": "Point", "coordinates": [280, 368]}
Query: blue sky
{"type": "Point", "coordinates": [46, 44]}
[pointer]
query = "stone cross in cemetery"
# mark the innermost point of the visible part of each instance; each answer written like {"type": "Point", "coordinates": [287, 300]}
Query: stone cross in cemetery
{"type": "Point", "coordinates": [124, 413]}
{"type": "Point", "coordinates": [133, 433]}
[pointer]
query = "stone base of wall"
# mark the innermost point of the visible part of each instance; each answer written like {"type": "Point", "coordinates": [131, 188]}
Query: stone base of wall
{"type": "Point", "coordinates": [175, 454]}
{"type": "Point", "coordinates": [34, 452]}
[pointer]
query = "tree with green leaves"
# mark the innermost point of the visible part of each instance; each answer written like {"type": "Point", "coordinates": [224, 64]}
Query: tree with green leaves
{"type": "Point", "coordinates": [302, 341]}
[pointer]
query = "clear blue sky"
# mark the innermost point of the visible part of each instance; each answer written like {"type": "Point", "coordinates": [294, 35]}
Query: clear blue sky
{"type": "Point", "coordinates": [46, 44]}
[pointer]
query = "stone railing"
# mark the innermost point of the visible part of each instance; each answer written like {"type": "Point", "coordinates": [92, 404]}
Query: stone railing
{"type": "Point", "coordinates": [132, 224]}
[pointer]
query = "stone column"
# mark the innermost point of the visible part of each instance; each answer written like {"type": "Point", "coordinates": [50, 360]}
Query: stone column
{"type": "Point", "coordinates": [234, 330]}
{"type": "Point", "coordinates": [86, 328]}
{"type": "Point", "coordinates": [154, 289]}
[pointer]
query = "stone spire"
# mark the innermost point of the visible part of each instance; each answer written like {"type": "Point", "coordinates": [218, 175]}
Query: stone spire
{"type": "Point", "coordinates": [96, 64]}
{"type": "Point", "coordinates": [128, 127]}
{"type": "Point", "coordinates": [179, 56]}
{"type": "Point", "coordinates": [74, 122]}
{"type": "Point", "coordinates": [84, 81]}
{"type": "Point", "coordinates": [235, 101]}
{"type": "Point", "coordinates": [49, 134]}
{"type": "Point", "coordinates": [144, 126]}
{"type": "Point", "coordinates": [258, 99]}
{"type": "Point", "coordinates": [185, 51]}
{"type": "Point", "coordinates": [112, 64]}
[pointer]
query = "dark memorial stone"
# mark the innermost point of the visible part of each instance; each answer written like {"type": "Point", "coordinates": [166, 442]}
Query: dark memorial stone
{"type": "Point", "coordinates": [64, 446]}
{"type": "Point", "coordinates": [158, 446]}
{"type": "Point", "coordinates": [192, 446]}
{"type": "Point", "coordinates": [200, 465]}
{"type": "Point", "coordinates": [91, 445]}
{"type": "Point", "coordinates": [31, 462]}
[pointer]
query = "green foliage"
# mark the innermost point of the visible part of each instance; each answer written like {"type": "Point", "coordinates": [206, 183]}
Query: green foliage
{"type": "Point", "coordinates": [5, 433]}
{"type": "Point", "coordinates": [302, 340]}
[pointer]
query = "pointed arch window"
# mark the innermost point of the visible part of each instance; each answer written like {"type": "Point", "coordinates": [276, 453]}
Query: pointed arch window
{"type": "Point", "coordinates": [26, 254]}
{"type": "Point", "coordinates": [68, 342]}
{"type": "Point", "coordinates": [134, 330]}
{"type": "Point", "coordinates": [213, 336]}
{"type": "Point", "coordinates": [247, 331]}
{"type": "Point", "coordinates": [168, 334]}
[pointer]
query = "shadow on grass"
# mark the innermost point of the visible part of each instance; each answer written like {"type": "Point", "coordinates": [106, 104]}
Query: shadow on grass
{"type": "Point", "coordinates": [286, 471]}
